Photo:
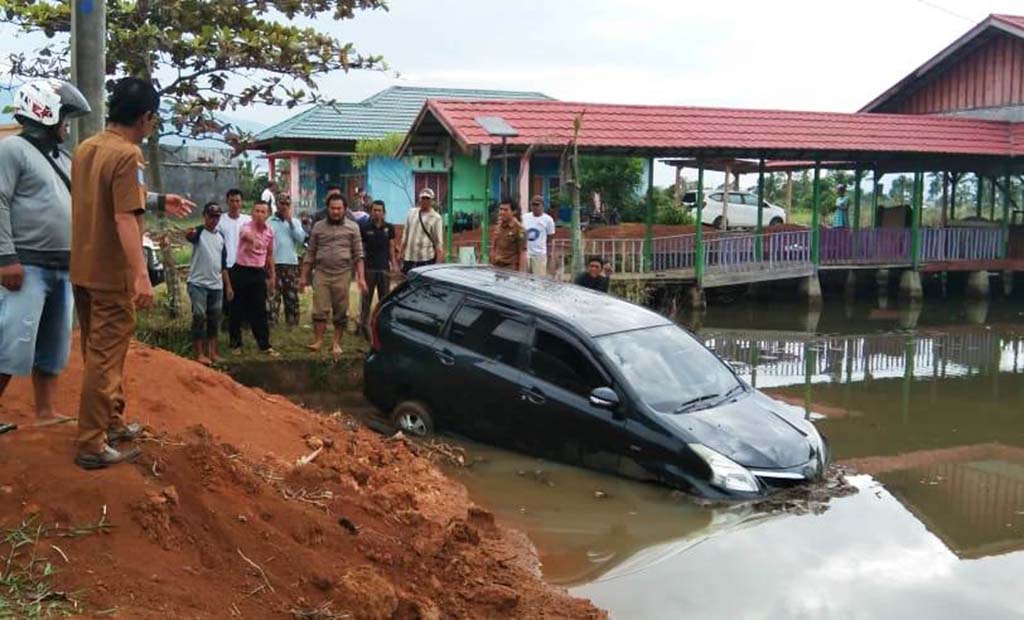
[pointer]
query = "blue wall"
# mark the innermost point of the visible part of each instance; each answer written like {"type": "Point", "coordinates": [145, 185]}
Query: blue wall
{"type": "Point", "coordinates": [390, 180]}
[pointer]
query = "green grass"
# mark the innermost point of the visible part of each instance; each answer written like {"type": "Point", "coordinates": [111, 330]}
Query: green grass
{"type": "Point", "coordinates": [28, 565]}
{"type": "Point", "coordinates": [157, 328]}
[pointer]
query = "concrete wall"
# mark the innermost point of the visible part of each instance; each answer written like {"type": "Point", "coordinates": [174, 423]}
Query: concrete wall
{"type": "Point", "coordinates": [390, 179]}
{"type": "Point", "coordinates": [201, 174]}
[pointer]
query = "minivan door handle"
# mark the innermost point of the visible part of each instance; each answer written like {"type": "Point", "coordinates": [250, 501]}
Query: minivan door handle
{"type": "Point", "coordinates": [446, 357]}
{"type": "Point", "coordinates": [533, 396]}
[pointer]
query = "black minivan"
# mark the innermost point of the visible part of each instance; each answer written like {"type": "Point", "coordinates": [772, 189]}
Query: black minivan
{"type": "Point", "coordinates": [566, 373]}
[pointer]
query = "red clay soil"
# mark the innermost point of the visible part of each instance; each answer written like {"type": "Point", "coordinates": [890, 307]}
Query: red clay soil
{"type": "Point", "coordinates": [369, 528]}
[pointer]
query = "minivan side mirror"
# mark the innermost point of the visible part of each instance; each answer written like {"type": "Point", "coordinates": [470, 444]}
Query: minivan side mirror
{"type": "Point", "coordinates": [605, 398]}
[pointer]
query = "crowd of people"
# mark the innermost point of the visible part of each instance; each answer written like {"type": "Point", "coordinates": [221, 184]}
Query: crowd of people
{"type": "Point", "coordinates": [71, 234]}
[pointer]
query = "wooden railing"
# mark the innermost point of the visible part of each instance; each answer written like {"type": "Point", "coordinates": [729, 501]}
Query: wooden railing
{"type": "Point", "coordinates": [866, 246]}
{"type": "Point", "coordinates": [951, 244]}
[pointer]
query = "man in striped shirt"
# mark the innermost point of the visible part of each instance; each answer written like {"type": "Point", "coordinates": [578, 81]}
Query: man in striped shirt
{"type": "Point", "coordinates": [423, 235]}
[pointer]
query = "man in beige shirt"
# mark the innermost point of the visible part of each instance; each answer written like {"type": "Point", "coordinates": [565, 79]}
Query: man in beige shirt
{"type": "Point", "coordinates": [108, 270]}
{"type": "Point", "coordinates": [335, 251]}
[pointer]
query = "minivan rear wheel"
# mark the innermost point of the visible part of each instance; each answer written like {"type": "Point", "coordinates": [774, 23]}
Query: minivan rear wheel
{"type": "Point", "coordinates": [776, 221]}
{"type": "Point", "coordinates": [413, 417]}
{"type": "Point", "coordinates": [717, 223]}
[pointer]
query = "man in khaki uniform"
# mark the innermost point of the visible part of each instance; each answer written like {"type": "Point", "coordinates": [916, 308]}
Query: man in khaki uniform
{"type": "Point", "coordinates": [508, 243]}
{"type": "Point", "coordinates": [108, 270]}
{"type": "Point", "coordinates": [335, 251]}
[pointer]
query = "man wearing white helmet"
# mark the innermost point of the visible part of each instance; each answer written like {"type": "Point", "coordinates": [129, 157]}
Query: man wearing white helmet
{"type": "Point", "coordinates": [35, 241]}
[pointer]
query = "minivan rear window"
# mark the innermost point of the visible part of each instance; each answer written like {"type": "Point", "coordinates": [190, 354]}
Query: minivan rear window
{"type": "Point", "coordinates": [425, 308]}
{"type": "Point", "coordinates": [490, 333]}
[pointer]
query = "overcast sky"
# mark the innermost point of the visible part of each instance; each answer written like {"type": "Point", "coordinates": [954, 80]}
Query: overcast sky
{"type": "Point", "coordinates": [792, 54]}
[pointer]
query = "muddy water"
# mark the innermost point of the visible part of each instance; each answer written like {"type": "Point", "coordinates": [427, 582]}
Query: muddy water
{"type": "Point", "coordinates": [927, 405]}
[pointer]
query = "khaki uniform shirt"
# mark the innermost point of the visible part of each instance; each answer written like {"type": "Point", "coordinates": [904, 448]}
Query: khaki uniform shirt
{"type": "Point", "coordinates": [509, 243]}
{"type": "Point", "coordinates": [334, 247]}
{"type": "Point", "coordinates": [106, 178]}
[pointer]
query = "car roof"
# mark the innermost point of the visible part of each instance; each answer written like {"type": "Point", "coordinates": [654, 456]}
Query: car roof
{"type": "Point", "coordinates": [594, 313]}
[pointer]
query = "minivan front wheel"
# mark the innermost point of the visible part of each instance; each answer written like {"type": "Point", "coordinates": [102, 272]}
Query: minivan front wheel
{"type": "Point", "coordinates": [776, 221]}
{"type": "Point", "coordinates": [413, 417]}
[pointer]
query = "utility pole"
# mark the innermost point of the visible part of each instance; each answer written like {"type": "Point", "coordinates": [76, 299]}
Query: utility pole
{"type": "Point", "coordinates": [88, 62]}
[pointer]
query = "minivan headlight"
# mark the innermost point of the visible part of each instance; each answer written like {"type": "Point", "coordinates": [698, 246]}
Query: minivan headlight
{"type": "Point", "coordinates": [726, 473]}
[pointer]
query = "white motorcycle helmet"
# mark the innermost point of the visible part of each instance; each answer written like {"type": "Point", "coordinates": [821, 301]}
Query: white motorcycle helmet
{"type": "Point", "coordinates": [49, 101]}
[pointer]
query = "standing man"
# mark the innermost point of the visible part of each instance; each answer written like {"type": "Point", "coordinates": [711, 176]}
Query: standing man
{"type": "Point", "coordinates": [252, 279]}
{"type": "Point", "coordinates": [540, 229]}
{"type": "Point", "coordinates": [35, 242]}
{"type": "Point", "coordinates": [208, 283]}
{"type": "Point", "coordinates": [360, 211]}
{"type": "Point", "coordinates": [423, 235]}
{"type": "Point", "coordinates": [841, 219]}
{"type": "Point", "coordinates": [335, 251]}
{"type": "Point", "coordinates": [108, 270]}
{"type": "Point", "coordinates": [508, 240]}
{"type": "Point", "coordinates": [269, 195]}
{"type": "Point", "coordinates": [322, 213]}
{"type": "Point", "coordinates": [229, 226]}
{"type": "Point", "coordinates": [288, 235]}
{"type": "Point", "coordinates": [381, 261]}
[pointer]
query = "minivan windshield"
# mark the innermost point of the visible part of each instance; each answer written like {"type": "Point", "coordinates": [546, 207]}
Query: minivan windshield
{"type": "Point", "coordinates": [669, 369]}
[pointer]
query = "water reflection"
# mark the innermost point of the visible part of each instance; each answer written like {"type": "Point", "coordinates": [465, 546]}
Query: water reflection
{"type": "Point", "coordinates": [929, 405]}
{"type": "Point", "coordinates": [586, 524]}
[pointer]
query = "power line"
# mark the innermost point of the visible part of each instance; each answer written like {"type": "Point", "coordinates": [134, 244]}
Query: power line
{"type": "Point", "coordinates": [938, 7]}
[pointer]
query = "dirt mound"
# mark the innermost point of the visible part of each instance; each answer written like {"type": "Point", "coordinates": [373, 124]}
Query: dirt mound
{"type": "Point", "coordinates": [217, 519]}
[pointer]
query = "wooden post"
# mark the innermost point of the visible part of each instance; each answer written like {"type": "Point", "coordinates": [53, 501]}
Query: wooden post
{"type": "Point", "coordinates": [955, 180]}
{"type": "Point", "coordinates": [945, 198]}
{"type": "Point", "coordinates": [758, 242]}
{"type": "Point", "coordinates": [725, 198]}
{"type": "Point", "coordinates": [649, 219]}
{"type": "Point", "coordinates": [992, 201]}
{"type": "Point", "coordinates": [524, 184]}
{"type": "Point", "coordinates": [858, 177]}
{"type": "Point", "coordinates": [272, 164]}
{"type": "Point", "coordinates": [875, 184]}
{"type": "Point", "coordinates": [916, 202]}
{"type": "Point", "coordinates": [485, 237]}
{"type": "Point", "coordinates": [1005, 226]}
{"type": "Point", "coordinates": [977, 198]}
{"type": "Point", "coordinates": [449, 233]}
{"type": "Point", "coordinates": [293, 178]}
{"type": "Point", "coordinates": [789, 190]}
{"type": "Point", "coordinates": [816, 217]}
{"type": "Point", "coordinates": [698, 256]}
{"type": "Point", "coordinates": [678, 191]}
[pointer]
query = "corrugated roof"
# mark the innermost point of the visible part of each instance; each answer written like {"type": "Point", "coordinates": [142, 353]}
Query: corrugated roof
{"type": "Point", "coordinates": [662, 129]}
{"type": "Point", "coordinates": [390, 111]}
{"type": "Point", "coordinates": [1010, 24]}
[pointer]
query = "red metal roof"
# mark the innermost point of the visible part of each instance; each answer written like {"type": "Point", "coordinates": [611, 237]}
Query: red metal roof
{"type": "Point", "coordinates": [663, 128]}
{"type": "Point", "coordinates": [1017, 21]}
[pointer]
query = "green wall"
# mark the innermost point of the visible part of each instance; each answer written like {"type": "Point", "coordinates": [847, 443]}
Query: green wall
{"type": "Point", "coordinates": [468, 184]}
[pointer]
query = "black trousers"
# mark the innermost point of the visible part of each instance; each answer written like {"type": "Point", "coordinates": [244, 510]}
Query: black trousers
{"type": "Point", "coordinates": [378, 282]}
{"type": "Point", "coordinates": [249, 306]}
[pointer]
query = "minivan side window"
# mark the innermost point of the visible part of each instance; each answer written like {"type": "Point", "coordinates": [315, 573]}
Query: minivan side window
{"type": "Point", "coordinates": [559, 362]}
{"type": "Point", "coordinates": [425, 309]}
{"type": "Point", "coordinates": [489, 332]}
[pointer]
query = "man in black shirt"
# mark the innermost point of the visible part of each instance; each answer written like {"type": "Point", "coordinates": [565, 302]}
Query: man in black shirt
{"type": "Point", "coordinates": [594, 277]}
{"type": "Point", "coordinates": [381, 260]}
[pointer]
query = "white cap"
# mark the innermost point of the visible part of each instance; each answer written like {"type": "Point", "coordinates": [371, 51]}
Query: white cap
{"type": "Point", "coordinates": [426, 192]}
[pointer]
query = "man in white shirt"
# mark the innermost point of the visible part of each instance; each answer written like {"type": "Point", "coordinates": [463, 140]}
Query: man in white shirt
{"type": "Point", "coordinates": [540, 229]}
{"type": "Point", "coordinates": [269, 196]}
{"type": "Point", "coordinates": [229, 227]}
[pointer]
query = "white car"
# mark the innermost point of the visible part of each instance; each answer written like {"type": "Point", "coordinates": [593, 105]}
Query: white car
{"type": "Point", "coordinates": [742, 209]}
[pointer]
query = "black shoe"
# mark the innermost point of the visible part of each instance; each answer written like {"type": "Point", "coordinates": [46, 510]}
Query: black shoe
{"type": "Point", "coordinates": [109, 456]}
{"type": "Point", "coordinates": [130, 432]}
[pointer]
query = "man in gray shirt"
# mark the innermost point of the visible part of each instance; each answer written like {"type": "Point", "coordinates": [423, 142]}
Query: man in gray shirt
{"type": "Point", "coordinates": [35, 241]}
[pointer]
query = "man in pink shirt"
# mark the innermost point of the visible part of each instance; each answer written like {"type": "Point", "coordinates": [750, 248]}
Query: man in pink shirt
{"type": "Point", "coordinates": [253, 279]}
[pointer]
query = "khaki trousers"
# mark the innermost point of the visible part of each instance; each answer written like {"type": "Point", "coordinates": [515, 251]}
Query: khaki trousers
{"type": "Point", "coordinates": [330, 297]}
{"type": "Point", "coordinates": [538, 264]}
{"type": "Point", "coordinates": [107, 323]}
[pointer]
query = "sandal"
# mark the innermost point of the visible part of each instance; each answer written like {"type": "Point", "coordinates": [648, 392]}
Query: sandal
{"type": "Point", "coordinates": [6, 427]}
{"type": "Point", "coordinates": [130, 432]}
{"type": "Point", "coordinates": [109, 456]}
